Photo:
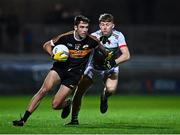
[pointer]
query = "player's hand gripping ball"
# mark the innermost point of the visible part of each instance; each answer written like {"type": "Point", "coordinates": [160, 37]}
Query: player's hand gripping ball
{"type": "Point", "coordinates": [60, 53]}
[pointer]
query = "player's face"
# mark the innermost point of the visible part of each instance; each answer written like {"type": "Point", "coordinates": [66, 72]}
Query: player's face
{"type": "Point", "coordinates": [82, 29]}
{"type": "Point", "coordinates": [106, 27]}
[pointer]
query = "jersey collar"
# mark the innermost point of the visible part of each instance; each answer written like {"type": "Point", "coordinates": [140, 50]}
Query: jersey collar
{"type": "Point", "coordinates": [76, 38]}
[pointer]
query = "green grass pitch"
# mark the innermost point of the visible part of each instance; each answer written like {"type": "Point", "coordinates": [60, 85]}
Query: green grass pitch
{"type": "Point", "coordinates": [126, 114]}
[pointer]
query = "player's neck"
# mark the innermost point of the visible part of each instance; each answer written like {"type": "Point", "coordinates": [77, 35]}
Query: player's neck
{"type": "Point", "coordinates": [77, 37]}
{"type": "Point", "coordinates": [107, 35]}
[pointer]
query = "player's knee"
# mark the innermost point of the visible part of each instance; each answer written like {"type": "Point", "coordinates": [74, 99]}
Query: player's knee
{"type": "Point", "coordinates": [47, 87]}
{"type": "Point", "coordinates": [56, 105]}
{"type": "Point", "coordinates": [111, 89]}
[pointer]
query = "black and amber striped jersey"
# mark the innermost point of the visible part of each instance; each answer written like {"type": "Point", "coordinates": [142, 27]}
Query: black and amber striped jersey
{"type": "Point", "coordinates": [79, 50]}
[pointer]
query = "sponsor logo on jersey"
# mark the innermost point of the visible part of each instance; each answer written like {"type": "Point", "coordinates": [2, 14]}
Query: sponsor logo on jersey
{"type": "Point", "coordinates": [85, 46]}
{"type": "Point", "coordinates": [77, 46]}
{"type": "Point", "coordinates": [79, 53]}
{"type": "Point", "coordinates": [69, 44]}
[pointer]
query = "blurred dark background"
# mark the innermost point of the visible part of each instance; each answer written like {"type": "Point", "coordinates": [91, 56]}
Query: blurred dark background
{"type": "Point", "coordinates": [151, 29]}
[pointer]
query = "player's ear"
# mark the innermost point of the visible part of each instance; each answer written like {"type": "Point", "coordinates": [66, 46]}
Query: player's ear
{"type": "Point", "coordinates": [75, 27]}
{"type": "Point", "coordinates": [113, 26]}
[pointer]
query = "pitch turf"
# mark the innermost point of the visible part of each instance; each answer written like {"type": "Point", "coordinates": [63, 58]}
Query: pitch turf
{"type": "Point", "coordinates": [126, 114]}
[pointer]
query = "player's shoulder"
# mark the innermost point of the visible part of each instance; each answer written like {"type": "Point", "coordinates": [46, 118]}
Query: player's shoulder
{"type": "Point", "coordinates": [93, 37]}
{"type": "Point", "coordinates": [65, 34]}
{"type": "Point", "coordinates": [96, 33]}
{"type": "Point", "coordinates": [117, 34]}
{"type": "Point", "coordinates": [61, 36]}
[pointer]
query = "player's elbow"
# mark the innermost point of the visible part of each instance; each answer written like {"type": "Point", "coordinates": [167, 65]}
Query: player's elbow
{"type": "Point", "coordinates": [45, 45]}
{"type": "Point", "coordinates": [125, 53]}
{"type": "Point", "coordinates": [128, 56]}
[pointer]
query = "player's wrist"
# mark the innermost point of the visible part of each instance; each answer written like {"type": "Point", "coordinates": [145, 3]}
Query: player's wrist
{"type": "Point", "coordinates": [110, 63]}
{"type": "Point", "coordinates": [113, 63]}
{"type": "Point", "coordinates": [52, 55]}
{"type": "Point", "coordinates": [116, 62]}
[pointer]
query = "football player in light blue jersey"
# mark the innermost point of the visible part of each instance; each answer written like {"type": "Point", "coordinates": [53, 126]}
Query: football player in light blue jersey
{"type": "Point", "coordinates": [115, 43]}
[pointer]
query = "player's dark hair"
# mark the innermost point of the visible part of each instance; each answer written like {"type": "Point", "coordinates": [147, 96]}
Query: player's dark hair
{"type": "Point", "coordinates": [80, 18]}
{"type": "Point", "coordinates": [106, 17]}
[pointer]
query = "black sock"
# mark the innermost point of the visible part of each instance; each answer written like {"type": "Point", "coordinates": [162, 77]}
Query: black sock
{"type": "Point", "coordinates": [74, 117]}
{"type": "Point", "coordinates": [66, 103]}
{"type": "Point", "coordinates": [26, 116]}
{"type": "Point", "coordinates": [107, 94]}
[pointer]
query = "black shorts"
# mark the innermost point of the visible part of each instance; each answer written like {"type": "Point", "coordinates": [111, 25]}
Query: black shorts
{"type": "Point", "coordinates": [70, 77]}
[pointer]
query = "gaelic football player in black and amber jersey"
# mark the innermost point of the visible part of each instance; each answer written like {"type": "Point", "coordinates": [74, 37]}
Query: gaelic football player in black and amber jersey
{"type": "Point", "coordinates": [113, 41]}
{"type": "Point", "coordinates": [68, 73]}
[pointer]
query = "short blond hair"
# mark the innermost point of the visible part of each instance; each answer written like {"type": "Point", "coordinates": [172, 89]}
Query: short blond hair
{"type": "Point", "coordinates": [106, 17]}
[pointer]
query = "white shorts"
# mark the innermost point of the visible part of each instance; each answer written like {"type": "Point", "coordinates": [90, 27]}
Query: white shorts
{"type": "Point", "coordinates": [90, 71]}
